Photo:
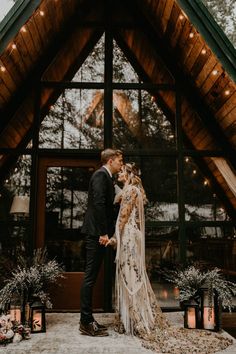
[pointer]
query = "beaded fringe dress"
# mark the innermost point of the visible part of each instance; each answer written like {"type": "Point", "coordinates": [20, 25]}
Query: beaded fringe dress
{"type": "Point", "coordinates": [136, 304]}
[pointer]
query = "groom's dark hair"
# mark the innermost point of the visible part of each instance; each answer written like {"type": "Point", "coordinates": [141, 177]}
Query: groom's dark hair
{"type": "Point", "coordinates": [108, 154]}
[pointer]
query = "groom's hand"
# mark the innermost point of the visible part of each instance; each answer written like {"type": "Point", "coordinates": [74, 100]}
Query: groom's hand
{"type": "Point", "coordinates": [103, 240]}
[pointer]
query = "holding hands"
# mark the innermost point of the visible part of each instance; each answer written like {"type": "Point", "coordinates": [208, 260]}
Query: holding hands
{"type": "Point", "coordinates": [103, 240]}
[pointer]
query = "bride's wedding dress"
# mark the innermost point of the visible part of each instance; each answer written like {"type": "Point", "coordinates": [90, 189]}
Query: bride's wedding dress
{"type": "Point", "coordinates": [136, 303]}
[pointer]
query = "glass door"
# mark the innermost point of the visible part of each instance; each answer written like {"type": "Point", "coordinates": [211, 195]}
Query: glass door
{"type": "Point", "coordinates": [62, 201]}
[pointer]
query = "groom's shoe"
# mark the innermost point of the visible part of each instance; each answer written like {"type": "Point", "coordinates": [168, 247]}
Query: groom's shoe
{"type": "Point", "coordinates": [100, 326]}
{"type": "Point", "coordinates": [91, 329]}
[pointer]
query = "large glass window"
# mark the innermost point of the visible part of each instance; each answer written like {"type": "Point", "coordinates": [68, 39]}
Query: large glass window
{"type": "Point", "coordinates": [14, 213]}
{"type": "Point", "coordinates": [122, 69]}
{"type": "Point", "coordinates": [92, 69]}
{"type": "Point", "coordinates": [139, 123]}
{"type": "Point", "coordinates": [75, 121]}
{"type": "Point", "coordinates": [66, 201]}
{"type": "Point", "coordinates": [201, 203]}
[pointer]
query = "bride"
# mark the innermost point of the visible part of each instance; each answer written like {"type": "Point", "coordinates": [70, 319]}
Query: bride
{"type": "Point", "coordinates": [136, 304]}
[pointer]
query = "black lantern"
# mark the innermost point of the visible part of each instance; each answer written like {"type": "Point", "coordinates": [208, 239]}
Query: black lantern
{"type": "Point", "coordinates": [191, 314]}
{"type": "Point", "coordinates": [15, 309]}
{"type": "Point", "coordinates": [15, 313]}
{"type": "Point", "coordinates": [210, 309]}
{"type": "Point", "coordinates": [37, 317]}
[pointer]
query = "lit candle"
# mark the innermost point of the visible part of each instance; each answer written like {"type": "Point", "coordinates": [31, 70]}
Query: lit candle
{"type": "Point", "coordinates": [191, 317]}
{"type": "Point", "coordinates": [37, 320]}
{"type": "Point", "coordinates": [15, 314]}
{"type": "Point", "coordinates": [208, 318]}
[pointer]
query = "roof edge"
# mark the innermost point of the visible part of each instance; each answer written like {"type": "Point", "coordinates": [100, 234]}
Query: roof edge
{"type": "Point", "coordinates": [214, 36]}
{"type": "Point", "coordinates": [15, 19]}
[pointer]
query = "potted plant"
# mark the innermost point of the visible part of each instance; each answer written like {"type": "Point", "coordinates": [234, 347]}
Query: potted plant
{"type": "Point", "coordinates": [30, 280]}
{"type": "Point", "coordinates": [209, 289]}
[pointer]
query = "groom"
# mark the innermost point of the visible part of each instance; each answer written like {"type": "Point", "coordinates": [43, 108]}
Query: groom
{"type": "Point", "coordinates": [99, 225]}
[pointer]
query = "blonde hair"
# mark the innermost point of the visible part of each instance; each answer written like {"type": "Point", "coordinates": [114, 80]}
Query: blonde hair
{"type": "Point", "coordinates": [108, 154]}
{"type": "Point", "coordinates": [134, 173]}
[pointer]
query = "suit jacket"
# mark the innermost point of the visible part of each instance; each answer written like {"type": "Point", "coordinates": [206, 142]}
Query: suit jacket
{"type": "Point", "coordinates": [100, 215]}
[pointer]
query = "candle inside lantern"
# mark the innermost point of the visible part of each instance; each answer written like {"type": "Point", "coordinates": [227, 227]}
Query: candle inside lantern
{"type": "Point", "coordinates": [37, 320]}
{"type": "Point", "coordinates": [208, 318]}
{"type": "Point", "coordinates": [191, 317]}
{"type": "Point", "coordinates": [15, 314]}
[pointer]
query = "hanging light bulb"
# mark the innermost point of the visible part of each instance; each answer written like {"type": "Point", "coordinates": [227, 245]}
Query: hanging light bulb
{"type": "Point", "coordinates": [181, 17]}
{"type": "Point", "coordinates": [227, 92]}
{"type": "Point", "coordinates": [203, 51]}
{"type": "Point", "coordinates": [205, 183]}
{"type": "Point", "coordinates": [41, 13]}
{"type": "Point", "coordinates": [194, 172]}
{"type": "Point", "coordinates": [186, 159]}
{"type": "Point", "coordinates": [13, 46]}
{"type": "Point", "coordinates": [3, 69]}
{"type": "Point", "coordinates": [23, 29]}
{"type": "Point", "coordinates": [191, 35]}
{"type": "Point", "coordinates": [214, 72]}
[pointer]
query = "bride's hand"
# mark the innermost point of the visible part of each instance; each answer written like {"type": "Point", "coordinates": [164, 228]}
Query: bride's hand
{"type": "Point", "coordinates": [108, 243]}
{"type": "Point", "coordinates": [112, 242]}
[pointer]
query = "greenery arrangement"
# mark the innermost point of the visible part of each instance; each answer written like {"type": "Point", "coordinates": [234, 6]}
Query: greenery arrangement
{"type": "Point", "coordinates": [31, 279]}
{"type": "Point", "coordinates": [190, 280]}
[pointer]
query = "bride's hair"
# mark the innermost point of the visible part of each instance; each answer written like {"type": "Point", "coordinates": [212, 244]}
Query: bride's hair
{"type": "Point", "coordinates": [134, 174]}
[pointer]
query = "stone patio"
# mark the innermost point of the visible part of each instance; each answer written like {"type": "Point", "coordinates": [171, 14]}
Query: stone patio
{"type": "Point", "coordinates": [63, 337]}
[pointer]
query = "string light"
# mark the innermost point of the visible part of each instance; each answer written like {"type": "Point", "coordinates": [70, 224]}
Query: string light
{"type": "Point", "coordinates": [191, 35]}
{"type": "Point", "coordinates": [23, 29]}
{"type": "Point", "coordinates": [13, 46]}
{"type": "Point", "coordinates": [186, 159]}
{"type": "Point", "coordinates": [203, 51]}
{"type": "Point", "coordinates": [214, 72]}
{"type": "Point", "coordinates": [205, 183]}
{"type": "Point", "coordinates": [181, 17]}
{"type": "Point", "coordinates": [41, 13]}
{"type": "Point", "coordinates": [194, 172]}
{"type": "Point", "coordinates": [227, 92]}
{"type": "Point", "coordinates": [3, 69]}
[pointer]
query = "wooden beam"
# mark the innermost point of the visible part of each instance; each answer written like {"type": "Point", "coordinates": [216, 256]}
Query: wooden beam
{"type": "Point", "coordinates": [36, 74]}
{"type": "Point", "coordinates": [187, 87]}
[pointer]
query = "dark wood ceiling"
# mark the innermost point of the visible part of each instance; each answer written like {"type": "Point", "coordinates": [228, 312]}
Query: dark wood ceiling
{"type": "Point", "coordinates": [165, 42]}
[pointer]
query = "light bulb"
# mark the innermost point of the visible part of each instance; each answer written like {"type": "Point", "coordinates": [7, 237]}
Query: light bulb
{"type": "Point", "coordinates": [214, 72]}
{"type": "Point", "coordinates": [23, 29]}
{"type": "Point", "coordinates": [203, 51]}
{"type": "Point", "coordinates": [227, 92]}
{"type": "Point", "coordinates": [13, 46]}
{"type": "Point", "coordinates": [41, 13]}
{"type": "Point", "coordinates": [191, 35]}
{"type": "Point", "coordinates": [3, 68]}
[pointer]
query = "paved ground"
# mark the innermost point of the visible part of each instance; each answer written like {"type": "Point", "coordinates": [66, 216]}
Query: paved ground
{"type": "Point", "coordinates": [63, 337]}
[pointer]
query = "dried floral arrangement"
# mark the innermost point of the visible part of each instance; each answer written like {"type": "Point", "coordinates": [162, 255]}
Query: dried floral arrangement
{"type": "Point", "coordinates": [31, 279]}
{"type": "Point", "coordinates": [190, 280]}
{"type": "Point", "coordinates": [12, 331]}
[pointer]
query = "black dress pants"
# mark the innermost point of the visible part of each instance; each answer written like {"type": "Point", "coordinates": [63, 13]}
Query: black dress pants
{"type": "Point", "coordinates": [94, 257]}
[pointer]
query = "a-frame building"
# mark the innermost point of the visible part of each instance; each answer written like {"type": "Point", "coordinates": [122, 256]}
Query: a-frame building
{"type": "Point", "coordinates": [181, 56]}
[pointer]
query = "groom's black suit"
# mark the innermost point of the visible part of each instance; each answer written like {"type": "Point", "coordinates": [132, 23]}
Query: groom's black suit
{"type": "Point", "coordinates": [99, 220]}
